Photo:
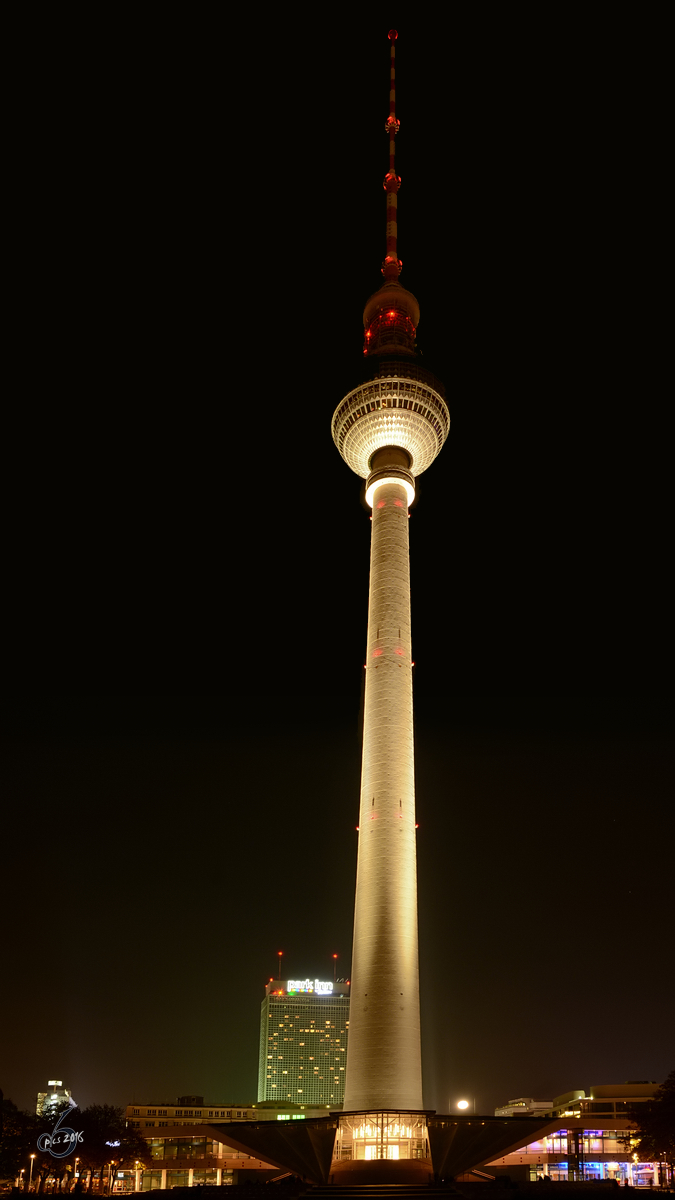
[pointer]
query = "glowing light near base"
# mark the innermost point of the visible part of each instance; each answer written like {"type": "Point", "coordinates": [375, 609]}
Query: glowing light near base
{"type": "Point", "coordinates": [409, 489]}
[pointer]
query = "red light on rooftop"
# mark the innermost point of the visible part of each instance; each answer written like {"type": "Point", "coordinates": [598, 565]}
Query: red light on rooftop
{"type": "Point", "coordinates": [392, 35]}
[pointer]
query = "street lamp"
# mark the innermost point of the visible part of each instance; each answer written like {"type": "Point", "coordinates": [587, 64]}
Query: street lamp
{"type": "Point", "coordinates": [30, 1181]}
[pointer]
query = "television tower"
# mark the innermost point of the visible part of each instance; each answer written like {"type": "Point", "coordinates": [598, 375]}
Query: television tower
{"type": "Point", "coordinates": [389, 429]}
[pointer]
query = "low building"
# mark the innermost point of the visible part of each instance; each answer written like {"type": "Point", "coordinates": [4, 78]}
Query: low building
{"type": "Point", "coordinates": [181, 1159]}
{"type": "Point", "coordinates": [606, 1099]}
{"type": "Point", "coordinates": [165, 1114]}
{"type": "Point", "coordinates": [186, 1110]}
{"type": "Point", "coordinates": [587, 1138]}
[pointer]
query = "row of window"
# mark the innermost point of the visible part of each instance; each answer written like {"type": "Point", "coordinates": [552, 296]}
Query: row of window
{"type": "Point", "coordinates": [387, 386]}
{"type": "Point", "coordinates": [152, 1180]}
{"type": "Point", "coordinates": [195, 1147]}
{"type": "Point", "coordinates": [190, 1112]}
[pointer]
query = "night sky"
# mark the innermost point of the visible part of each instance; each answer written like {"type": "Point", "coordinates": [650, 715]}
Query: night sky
{"type": "Point", "coordinates": [182, 526]}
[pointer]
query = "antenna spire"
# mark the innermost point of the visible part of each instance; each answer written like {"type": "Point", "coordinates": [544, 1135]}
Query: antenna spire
{"type": "Point", "coordinates": [391, 267]}
{"type": "Point", "coordinates": [391, 314]}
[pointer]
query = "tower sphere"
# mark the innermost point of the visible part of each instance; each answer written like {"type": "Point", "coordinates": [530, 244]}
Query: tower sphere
{"type": "Point", "coordinates": [400, 406]}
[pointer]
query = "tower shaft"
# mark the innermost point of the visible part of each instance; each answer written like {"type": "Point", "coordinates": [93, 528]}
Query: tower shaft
{"type": "Point", "coordinates": [384, 1054]}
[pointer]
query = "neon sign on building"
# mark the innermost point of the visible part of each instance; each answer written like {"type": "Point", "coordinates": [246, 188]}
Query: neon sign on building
{"type": "Point", "coordinates": [319, 987]}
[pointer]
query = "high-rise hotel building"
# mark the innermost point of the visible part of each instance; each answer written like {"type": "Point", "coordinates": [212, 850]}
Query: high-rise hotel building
{"type": "Point", "coordinates": [304, 1025]}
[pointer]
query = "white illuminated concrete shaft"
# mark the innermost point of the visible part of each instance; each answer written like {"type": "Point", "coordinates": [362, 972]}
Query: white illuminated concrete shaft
{"type": "Point", "coordinates": [384, 1068]}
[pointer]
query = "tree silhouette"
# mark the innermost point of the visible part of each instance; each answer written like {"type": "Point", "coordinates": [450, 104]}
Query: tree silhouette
{"type": "Point", "coordinates": [655, 1120]}
{"type": "Point", "coordinates": [109, 1145]}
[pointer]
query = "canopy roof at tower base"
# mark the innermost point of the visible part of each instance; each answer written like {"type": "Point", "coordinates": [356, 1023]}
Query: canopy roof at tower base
{"type": "Point", "coordinates": [306, 1147]}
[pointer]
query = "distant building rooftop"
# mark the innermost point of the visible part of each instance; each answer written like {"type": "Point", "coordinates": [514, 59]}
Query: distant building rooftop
{"type": "Point", "coordinates": [524, 1106]}
{"type": "Point", "coordinates": [603, 1099]}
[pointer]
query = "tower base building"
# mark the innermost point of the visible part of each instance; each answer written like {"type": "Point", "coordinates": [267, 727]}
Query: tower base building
{"type": "Point", "coordinates": [382, 1147]}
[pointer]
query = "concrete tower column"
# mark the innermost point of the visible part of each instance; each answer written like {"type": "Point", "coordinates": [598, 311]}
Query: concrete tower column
{"type": "Point", "coordinates": [389, 429]}
{"type": "Point", "coordinates": [384, 1052]}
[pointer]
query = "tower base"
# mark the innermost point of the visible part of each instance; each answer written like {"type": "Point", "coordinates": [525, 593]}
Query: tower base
{"type": "Point", "coordinates": [381, 1146]}
{"type": "Point", "coordinates": [357, 1172]}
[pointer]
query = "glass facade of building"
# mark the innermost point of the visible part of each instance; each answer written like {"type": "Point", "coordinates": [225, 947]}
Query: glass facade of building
{"type": "Point", "coordinates": [583, 1154]}
{"type": "Point", "coordinates": [186, 1161]}
{"type": "Point", "coordinates": [368, 1136]}
{"type": "Point", "coordinates": [190, 1147]}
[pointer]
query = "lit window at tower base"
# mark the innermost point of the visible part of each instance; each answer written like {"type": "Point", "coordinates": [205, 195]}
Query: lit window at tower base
{"type": "Point", "coordinates": [392, 1136]}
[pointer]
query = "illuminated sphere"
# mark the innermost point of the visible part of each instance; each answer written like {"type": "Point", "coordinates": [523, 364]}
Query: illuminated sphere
{"type": "Point", "coordinates": [400, 405]}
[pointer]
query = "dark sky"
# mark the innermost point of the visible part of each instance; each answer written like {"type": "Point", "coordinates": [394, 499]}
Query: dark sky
{"type": "Point", "coordinates": [182, 523]}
